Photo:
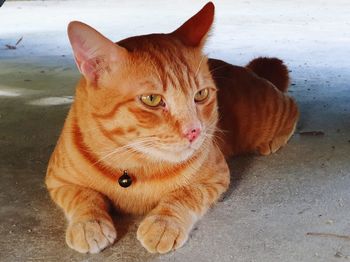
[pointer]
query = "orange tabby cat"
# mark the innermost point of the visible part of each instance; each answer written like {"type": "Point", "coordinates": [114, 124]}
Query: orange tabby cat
{"type": "Point", "coordinates": [145, 115]}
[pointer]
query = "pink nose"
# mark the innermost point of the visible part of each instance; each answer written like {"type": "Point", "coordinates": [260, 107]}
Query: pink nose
{"type": "Point", "coordinates": [192, 134]}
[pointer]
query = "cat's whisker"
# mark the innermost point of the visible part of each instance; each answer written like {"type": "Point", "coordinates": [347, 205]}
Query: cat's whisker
{"type": "Point", "coordinates": [216, 131]}
{"type": "Point", "coordinates": [134, 151]}
{"type": "Point", "coordinates": [221, 77]}
{"type": "Point", "coordinates": [219, 67]}
{"type": "Point", "coordinates": [124, 148]}
{"type": "Point", "coordinates": [214, 128]}
{"type": "Point", "coordinates": [214, 138]}
{"type": "Point", "coordinates": [156, 70]}
{"type": "Point", "coordinates": [131, 154]}
{"type": "Point", "coordinates": [199, 66]}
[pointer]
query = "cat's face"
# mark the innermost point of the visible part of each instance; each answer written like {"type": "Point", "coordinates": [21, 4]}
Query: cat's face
{"type": "Point", "coordinates": [152, 94]}
{"type": "Point", "coordinates": [157, 103]}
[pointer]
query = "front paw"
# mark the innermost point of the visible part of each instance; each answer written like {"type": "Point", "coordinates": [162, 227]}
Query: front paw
{"type": "Point", "coordinates": [161, 234]}
{"type": "Point", "coordinates": [90, 236]}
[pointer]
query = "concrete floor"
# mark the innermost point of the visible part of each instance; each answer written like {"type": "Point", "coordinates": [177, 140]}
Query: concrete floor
{"type": "Point", "coordinates": [273, 201]}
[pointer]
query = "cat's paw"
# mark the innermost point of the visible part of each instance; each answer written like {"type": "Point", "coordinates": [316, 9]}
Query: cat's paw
{"type": "Point", "coordinates": [264, 149]}
{"type": "Point", "coordinates": [90, 236]}
{"type": "Point", "coordinates": [161, 234]}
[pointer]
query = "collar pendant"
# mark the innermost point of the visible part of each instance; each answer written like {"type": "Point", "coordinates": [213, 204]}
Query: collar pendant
{"type": "Point", "coordinates": [125, 180]}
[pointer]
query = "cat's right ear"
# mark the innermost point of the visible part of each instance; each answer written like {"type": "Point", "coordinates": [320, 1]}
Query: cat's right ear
{"type": "Point", "coordinates": [93, 52]}
{"type": "Point", "coordinates": [195, 30]}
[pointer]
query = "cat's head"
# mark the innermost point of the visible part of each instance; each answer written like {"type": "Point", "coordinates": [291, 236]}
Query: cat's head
{"type": "Point", "coordinates": [153, 94]}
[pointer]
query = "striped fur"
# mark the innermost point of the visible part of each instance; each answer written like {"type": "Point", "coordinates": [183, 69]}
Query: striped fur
{"type": "Point", "coordinates": [255, 115]}
{"type": "Point", "coordinates": [108, 130]}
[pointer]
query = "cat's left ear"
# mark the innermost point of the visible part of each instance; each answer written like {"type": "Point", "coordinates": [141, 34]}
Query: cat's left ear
{"type": "Point", "coordinates": [94, 53]}
{"type": "Point", "coordinates": [195, 30]}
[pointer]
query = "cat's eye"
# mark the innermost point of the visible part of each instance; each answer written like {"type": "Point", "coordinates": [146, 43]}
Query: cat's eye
{"type": "Point", "coordinates": [152, 100]}
{"type": "Point", "coordinates": [201, 95]}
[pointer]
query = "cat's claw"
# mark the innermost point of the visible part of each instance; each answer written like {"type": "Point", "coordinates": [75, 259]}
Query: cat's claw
{"type": "Point", "coordinates": [90, 236]}
{"type": "Point", "coordinates": [161, 234]}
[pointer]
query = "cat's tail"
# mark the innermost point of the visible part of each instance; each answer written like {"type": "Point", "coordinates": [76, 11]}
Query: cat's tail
{"type": "Point", "coordinates": [272, 69]}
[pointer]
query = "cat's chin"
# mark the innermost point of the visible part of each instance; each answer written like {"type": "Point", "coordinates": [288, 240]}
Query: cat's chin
{"type": "Point", "coordinates": [173, 154]}
{"type": "Point", "coordinates": [168, 155]}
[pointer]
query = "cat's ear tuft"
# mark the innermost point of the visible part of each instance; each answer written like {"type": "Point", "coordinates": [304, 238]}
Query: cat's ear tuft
{"type": "Point", "coordinates": [195, 30]}
{"type": "Point", "coordinates": [93, 52]}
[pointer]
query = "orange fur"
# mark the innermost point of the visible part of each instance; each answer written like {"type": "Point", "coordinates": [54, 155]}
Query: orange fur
{"type": "Point", "coordinates": [255, 115]}
{"type": "Point", "coordinates": [109, 130]}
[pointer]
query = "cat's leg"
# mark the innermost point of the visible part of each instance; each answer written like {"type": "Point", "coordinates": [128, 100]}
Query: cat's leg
{"type": "Point", "coordinates": [277, 142]}
{"type": "Point", "coordinates": [90, 227]}
{"type": "Point", "coordinates": [167, 226]}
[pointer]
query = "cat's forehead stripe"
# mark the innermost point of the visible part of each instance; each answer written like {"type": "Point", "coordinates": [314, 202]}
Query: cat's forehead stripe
{"type": "Point", "coordinates": [173, 69]}
{"type": "Point", "coordinates": [159, 67]}
{"type": "Point", "coordinates": [169, 59]}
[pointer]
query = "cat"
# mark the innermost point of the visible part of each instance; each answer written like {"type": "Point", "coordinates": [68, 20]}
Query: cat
{"type": "Point", "coordinates": [142, 135]}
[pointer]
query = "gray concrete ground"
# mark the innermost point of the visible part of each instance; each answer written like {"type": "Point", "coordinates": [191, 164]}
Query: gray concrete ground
{"type": "Point", "coordinates": [273, 202]}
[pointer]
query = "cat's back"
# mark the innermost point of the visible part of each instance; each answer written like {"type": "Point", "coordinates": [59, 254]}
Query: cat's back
{"type": "Point", "coordinates": [236, 79]}
{"type": "Point", "coordinates": [252, 109]}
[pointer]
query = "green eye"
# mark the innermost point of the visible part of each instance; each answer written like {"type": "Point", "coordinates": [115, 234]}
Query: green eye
{"type": "Point", "coordinates": [201, 95]}
{"type": "Point", "coordinates": [151, 100]}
